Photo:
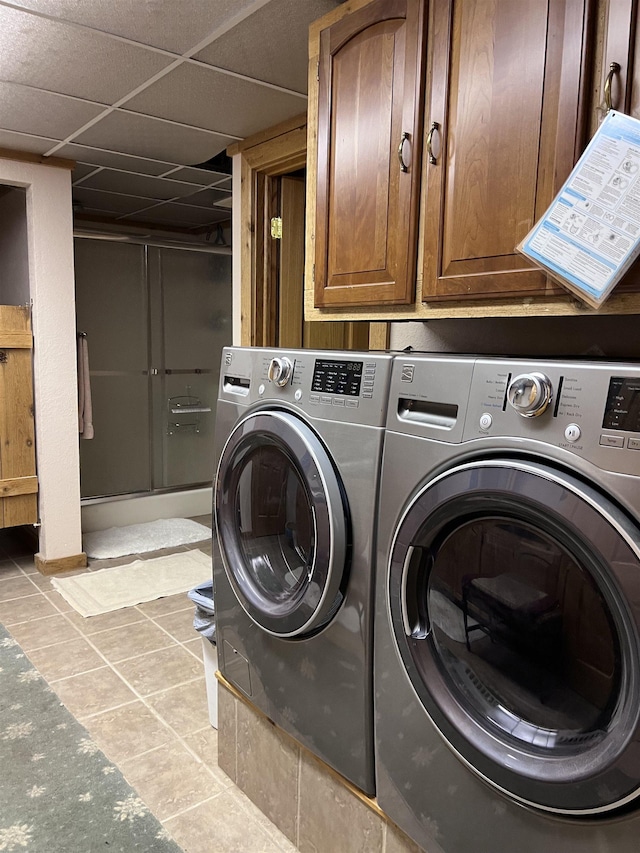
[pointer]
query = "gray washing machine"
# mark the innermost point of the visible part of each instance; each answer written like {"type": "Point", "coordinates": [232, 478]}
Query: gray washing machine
{"type": "Point", "coordinates": [299, 438]}
{"type": "Point", "coordinates": [507, 626]}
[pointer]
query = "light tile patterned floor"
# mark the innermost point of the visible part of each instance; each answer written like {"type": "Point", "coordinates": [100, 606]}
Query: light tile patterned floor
{"type": "Point", "coordinates": [135, 679]}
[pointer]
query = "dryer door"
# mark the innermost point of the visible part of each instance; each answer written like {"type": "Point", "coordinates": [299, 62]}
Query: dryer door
{"type": "Point", "coordinates": [282, 524]}
{"type": "Point", "coordinates": [514, 595]}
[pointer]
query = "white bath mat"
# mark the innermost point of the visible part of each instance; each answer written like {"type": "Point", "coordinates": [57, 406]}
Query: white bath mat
{"type": "Point", "coordinates": [98, 592]}
{"type": "Point", "coordinates": [140, 538]}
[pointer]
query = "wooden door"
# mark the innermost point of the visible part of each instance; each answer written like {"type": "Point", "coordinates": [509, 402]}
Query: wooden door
{"type": "Point", "coordinates": [368, 155]}
{"type": "Point", "coordinates": [18, 482]}
{"type": "Point", "coordinates": [506, 84]}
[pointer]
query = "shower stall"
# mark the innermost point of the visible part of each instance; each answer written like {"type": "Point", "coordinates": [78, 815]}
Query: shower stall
{"type": "Point", "coordinates": [156, 317]}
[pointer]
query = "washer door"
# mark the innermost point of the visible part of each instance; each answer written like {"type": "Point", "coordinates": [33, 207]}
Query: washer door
{"type": "Point", "coordinates": [514, 595]}
{"type": "Point", "coordinates": [282, 524]}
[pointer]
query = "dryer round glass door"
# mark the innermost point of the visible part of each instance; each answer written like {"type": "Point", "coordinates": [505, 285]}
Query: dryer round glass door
{"type": "Point", "coordinates": [514, 595]}
{"type": "Point", "coordinates": [282, 524]}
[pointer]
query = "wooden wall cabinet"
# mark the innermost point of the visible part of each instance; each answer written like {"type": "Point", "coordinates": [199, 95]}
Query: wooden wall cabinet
{"type": "Point", "coordinates": [513, 92]}
{"type": "Point", "coordinates": [368, 155]}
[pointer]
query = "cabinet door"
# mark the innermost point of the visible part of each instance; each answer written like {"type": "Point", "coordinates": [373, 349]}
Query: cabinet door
{"type": "Point", "coordinates": [506, 82]}
{"type": "Point", "coordinates": [368, 172]}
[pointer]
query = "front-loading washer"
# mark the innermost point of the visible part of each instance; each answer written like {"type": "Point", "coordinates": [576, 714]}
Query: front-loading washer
{"type": "Point", "coordinates": [507, 626]}
{"type": "Point", "coordinates": [299, 438]}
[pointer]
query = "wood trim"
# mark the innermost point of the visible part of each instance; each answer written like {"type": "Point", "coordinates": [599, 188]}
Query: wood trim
{"type": "Point", "coordinates": [18, 486]}
{"type": "Point", "coordinates": [61, 564]}
{"type": "Point", "coordinates": [39, 159]}
{"type": "Point", "coordinates": [284, 127]}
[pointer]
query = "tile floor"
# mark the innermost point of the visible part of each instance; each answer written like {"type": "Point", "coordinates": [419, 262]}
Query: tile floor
{"type": "Point", "coordinates": [135, 680]}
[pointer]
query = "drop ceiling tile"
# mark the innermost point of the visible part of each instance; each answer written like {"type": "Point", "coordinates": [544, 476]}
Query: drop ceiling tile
{"type": "Point", "coordinates": [111, 202]}
{"type": "Point", "coordinates": [161, 23]}
{"type": "Point", "coordinates": [140, 185]}
{"type": "Point", "coordinates": [43, 113]}
{"type": "Point", "coordinates": [149, 137]}
{"type": "Point", "coordinates": [81, 170]}
{"type": "Point", "coordinates": [206, 198]}
{"type": "Point", "coordinates": [113, 160]}
{"type": "Point", "coordinates": [261, 47]}
{"type": "Point", "coordinates": [179, 214]}
{"type": "Point", "coordinates": [224, 185]}
{"type": "Point", "coordinates": [202, 97]}
{"type": "Point", "coordinates": [24, 142]}
{"type": "Point", "coordinates": [70, 60]}
{"type": "Point", "coordinates": [202, 177]}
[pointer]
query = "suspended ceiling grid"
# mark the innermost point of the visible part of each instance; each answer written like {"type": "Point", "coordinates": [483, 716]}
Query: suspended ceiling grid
{"type": "Point", "coordinates": [142, 93]}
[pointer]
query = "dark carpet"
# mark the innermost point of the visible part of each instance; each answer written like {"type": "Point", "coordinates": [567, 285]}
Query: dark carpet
{"type": "Point", "coordinates": [58, 791]}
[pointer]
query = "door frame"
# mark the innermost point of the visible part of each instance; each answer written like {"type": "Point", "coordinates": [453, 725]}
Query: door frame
{"type": "Point", "coordinates": [263, 158]}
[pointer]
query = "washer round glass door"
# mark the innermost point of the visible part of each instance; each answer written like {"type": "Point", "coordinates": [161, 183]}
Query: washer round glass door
{"type": "Point", "coordinates": [514, 595]}
{"type": "Point", "coordinates": [282, 523]}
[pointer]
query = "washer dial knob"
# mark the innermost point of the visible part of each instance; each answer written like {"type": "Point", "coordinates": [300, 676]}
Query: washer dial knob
{"type": "Point", "coordinates": [280, 370]}
{"type": "Point", "coordinates": [530, 394]}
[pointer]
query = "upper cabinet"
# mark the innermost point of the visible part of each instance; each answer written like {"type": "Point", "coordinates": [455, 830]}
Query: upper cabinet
{"type": "Point", "coordinates": [368, 119]}
{"type": "Point", "coordinates": [504, 131]}
{"type": "Point", "coordinates": [513, 91]}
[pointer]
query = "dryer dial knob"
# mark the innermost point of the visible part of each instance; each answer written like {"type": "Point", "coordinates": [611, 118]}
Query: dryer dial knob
{"type": "Point", "coordinates": [530, 394]}
{"type": "Point", "coordinates": [280, 370]}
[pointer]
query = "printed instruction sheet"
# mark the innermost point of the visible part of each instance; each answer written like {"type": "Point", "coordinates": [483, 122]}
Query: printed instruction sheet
{"type": "Point", "coordinates": [590, 235]}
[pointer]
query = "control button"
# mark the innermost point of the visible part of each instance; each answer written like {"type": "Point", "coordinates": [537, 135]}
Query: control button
{"type": "Point", "coordinates": [367, 393]}
{"type": "Point", "coordinates": [612, 440]}
{"type": "Point", "coordinates": [352, 404]}
{"type": "Point", "coordinates": [485, 420]}
{"type": "Point", "coordinates": [261, 390]}
{"type": "Point", "coordinates": [325, 399]}
{"type": "Point", "coordinates": [338, 401]}
{"type": "Point", "coordinates": [369, 365]}
{"type": "Point", "coordinates": [633, 444]}
{"type": "Point", "coordinates": [572, 432]}
{"type": "Point", "coordinates": [298, 394]}
{"type": "Point", "coordinates": [314, 398]}
{"type": "Point", "coordinates": [368, 385]}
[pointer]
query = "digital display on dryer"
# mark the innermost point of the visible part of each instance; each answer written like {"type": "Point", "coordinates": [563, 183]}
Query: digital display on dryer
{"type": "Point", "coordinates": [337, 377]}
{"type": "Point", "coordinates": [623, 404]}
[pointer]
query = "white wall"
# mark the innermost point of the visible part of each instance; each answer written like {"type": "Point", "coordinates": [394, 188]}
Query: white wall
{"type": "Point", "coordinates": [611, 336]}
{"type": "Point", "coordinates": [51, 289]}
{"type": "Point", "coordinates": [14, 265]}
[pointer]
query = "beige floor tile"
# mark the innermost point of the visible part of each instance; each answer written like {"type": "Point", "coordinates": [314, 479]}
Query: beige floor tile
{"type": "Point", "coordinates": [184, 708]}
{"type": "Point", "coordinates": [160, 670]}
{"type": "Point", "coordinates": [93, 692]}
{"type": "Point", "coordinates": [179, 625]}
{"type": "Point", "coordinates": [25, 610]}
{"type": "Point", "coordinates": [15, 587]}
{"type": "Point", "coordinates": [221, 824]}
{"type": "Point", "coordinates": [169, 604]}
{"type": "Point", "coordinates": [204, 743]}
{"type": "Point", "coordinates": [195, 647]}
{"type": "Point", "coordinates": [44, 632]}
{"type": "Point", "coordinates": [65, 659]}
{"type": "Point", "coordinates": [139, 638]}
{"type": "Point", "coordinates": [8, 569]}
{"type": "Point", "coordinates": [127, 732]}
{"type": "Point", "coordinates": [89, 625]}
{"type": "Point", "coordinates": [170, 780]}
{"type": "Point", "coordinates": [60, 603]}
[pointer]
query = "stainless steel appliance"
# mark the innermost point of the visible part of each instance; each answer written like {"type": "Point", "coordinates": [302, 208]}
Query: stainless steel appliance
{"type": "Point", "coordinates": [299, 437]}
{"type": "Point", "coordinates": [507, 651]}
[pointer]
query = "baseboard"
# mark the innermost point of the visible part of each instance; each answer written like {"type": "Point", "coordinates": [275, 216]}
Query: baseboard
{"type": "Point", "coordinates": [61, 564]}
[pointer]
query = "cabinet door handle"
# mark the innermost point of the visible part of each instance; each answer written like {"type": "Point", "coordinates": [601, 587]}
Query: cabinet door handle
{"type": "Point", "coordinates": [614, 68]}
{"type": "Point", "coordinates": [406, 137]}
{"type": "Point", "coordinates": [434, 127]}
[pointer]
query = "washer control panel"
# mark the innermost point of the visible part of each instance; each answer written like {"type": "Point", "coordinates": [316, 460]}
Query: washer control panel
{"type": "Point", "coordinates": [591, 409]}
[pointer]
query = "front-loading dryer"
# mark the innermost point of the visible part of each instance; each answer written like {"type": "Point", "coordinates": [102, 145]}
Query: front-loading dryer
{"type": "Point", "coordinates": [507, 639]}
{"type": "Point", "coordinates": [299, 438]}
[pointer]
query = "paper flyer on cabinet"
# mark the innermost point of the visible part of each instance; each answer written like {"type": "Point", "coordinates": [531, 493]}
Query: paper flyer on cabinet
{"type": "Point", "coordinates": [590, 234]}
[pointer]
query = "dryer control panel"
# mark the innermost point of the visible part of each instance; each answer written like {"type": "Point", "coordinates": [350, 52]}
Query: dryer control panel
{"type": "Point", "coordinates": [330, 385]}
